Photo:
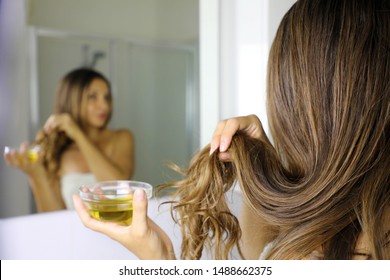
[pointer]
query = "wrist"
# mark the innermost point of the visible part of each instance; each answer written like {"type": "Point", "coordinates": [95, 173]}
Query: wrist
{"type": "Point", "coordinates": [169, 253]}
{"type": "Point", "coordinates": [36, 173]}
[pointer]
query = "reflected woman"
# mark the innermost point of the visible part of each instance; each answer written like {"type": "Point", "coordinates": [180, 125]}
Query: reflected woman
{"type": "Point", "coordinates": [76, 147]}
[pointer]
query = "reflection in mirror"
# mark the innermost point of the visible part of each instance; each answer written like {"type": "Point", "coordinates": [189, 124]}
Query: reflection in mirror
{"type": "Point", "coordinates": [153, 92]}
{"type": "Point", "coordinates": [151, 61]}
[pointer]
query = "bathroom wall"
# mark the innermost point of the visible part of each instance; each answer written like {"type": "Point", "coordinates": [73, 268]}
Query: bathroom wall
{"type": "Point", "coordinates": [151, 20]}
{"type": "Point", "coordinates": [15, 196]}
{"type": "Point", "coordinates": [235, 38]}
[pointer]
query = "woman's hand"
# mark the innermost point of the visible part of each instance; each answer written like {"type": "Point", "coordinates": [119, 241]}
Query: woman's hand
{"type": "Point", "coordinates": [143, 237]}
{"type": "Point", "coordinates": [62, 122]}
{"type": "Point", "coordinates": [225, 130]}
{"type": "Point", "coordinates": [23, 159]}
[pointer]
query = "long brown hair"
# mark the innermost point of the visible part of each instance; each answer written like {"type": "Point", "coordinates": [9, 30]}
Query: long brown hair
{"type": "Point", "coordinates": [69, 99]}
{"type": "Point", "coordinates": [326, 177]}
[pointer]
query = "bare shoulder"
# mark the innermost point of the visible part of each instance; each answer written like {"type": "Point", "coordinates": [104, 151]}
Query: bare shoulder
{"type": "Point", "coordinates": [121, 137]}
{"type": "Point", "coordinates": [121, 147]}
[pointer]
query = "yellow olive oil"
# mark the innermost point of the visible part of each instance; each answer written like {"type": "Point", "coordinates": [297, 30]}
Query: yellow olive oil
{"type": "Point", "coordinates": [112, 210]}
{"type": "Point", "coordinates": [32, 155]}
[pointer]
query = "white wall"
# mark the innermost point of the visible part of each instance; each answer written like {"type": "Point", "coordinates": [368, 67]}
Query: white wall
{"type": "Point", "coordinates": [151, 20]}
{"type": "Point", "coordinates": [14, 104]}
{"type": "Point", "coordinates": [239, 55]}
{"type": "Point", "coordinates": [209, 55]}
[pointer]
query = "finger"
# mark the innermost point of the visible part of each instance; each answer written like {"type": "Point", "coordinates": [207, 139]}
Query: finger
{"type": "Point", "coordinates": [23, 153]}
{"type": "Point", "coordinates": [86, 219]}
{"type": "Point", "coordinates": [9, 154]}
{"type": "Point", "coordinates": [23, 147]}
{"type": "Point", "coordinates": [140, 212]}
{"type": "Point", "coordinates": [50, 124]}
{"type": "Point", "coordinates": [253, 126]}
{"type": "Point", "coordinates": [225, 156]}
{"type": "Point", "coordinates": [14, 158]}
{"type": "Point", "coordinates": [231, 127]}
{"type": "Point", "coordinates": [7, 150]}
{"type": "Point", "coordinates": [223, 134]}
{"type": "Point", "coordinates": [47, 125]}
{"type": "Point", "coordinates": [216, 138]}
{"type": "Point", "coordinates": [81, 210]}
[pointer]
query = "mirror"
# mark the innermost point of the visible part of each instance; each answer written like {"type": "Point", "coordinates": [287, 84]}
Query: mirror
{"type": "Point", "coordinates": [153, 87]}
{"type": "Point", "coordinates": [148, 50]}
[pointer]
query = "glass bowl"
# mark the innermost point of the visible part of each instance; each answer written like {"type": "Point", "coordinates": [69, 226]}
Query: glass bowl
{"type": "Point", "coordinates": [112, 201]}
{"type": "Point", "coordinates": [32, 152]}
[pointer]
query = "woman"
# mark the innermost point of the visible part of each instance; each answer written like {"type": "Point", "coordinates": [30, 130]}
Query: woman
{"type": "Point", "coordinates": [321, 188]}
{"type": "Point", "coordinates": [76, 145]}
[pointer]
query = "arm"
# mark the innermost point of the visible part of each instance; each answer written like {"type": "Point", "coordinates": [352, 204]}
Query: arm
{"type": "Point", "coordinates": [117, 165]}
{"type": "Point", "coordinates": [120, 164]}
{"type": "Point", "coordinates": [46, 192]}
{"type": "Point", "coordinates": [143, 237]}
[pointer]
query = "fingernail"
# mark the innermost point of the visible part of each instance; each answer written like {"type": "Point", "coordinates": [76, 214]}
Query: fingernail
{"type": "Point", "coordinates": [139, 195]}
{"type": "Point", "coordinates": [7, 150]}
{"type": "Point", "coordinates": [212, 149]}
{"type": "Point", "coordinates": [222, 147]}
